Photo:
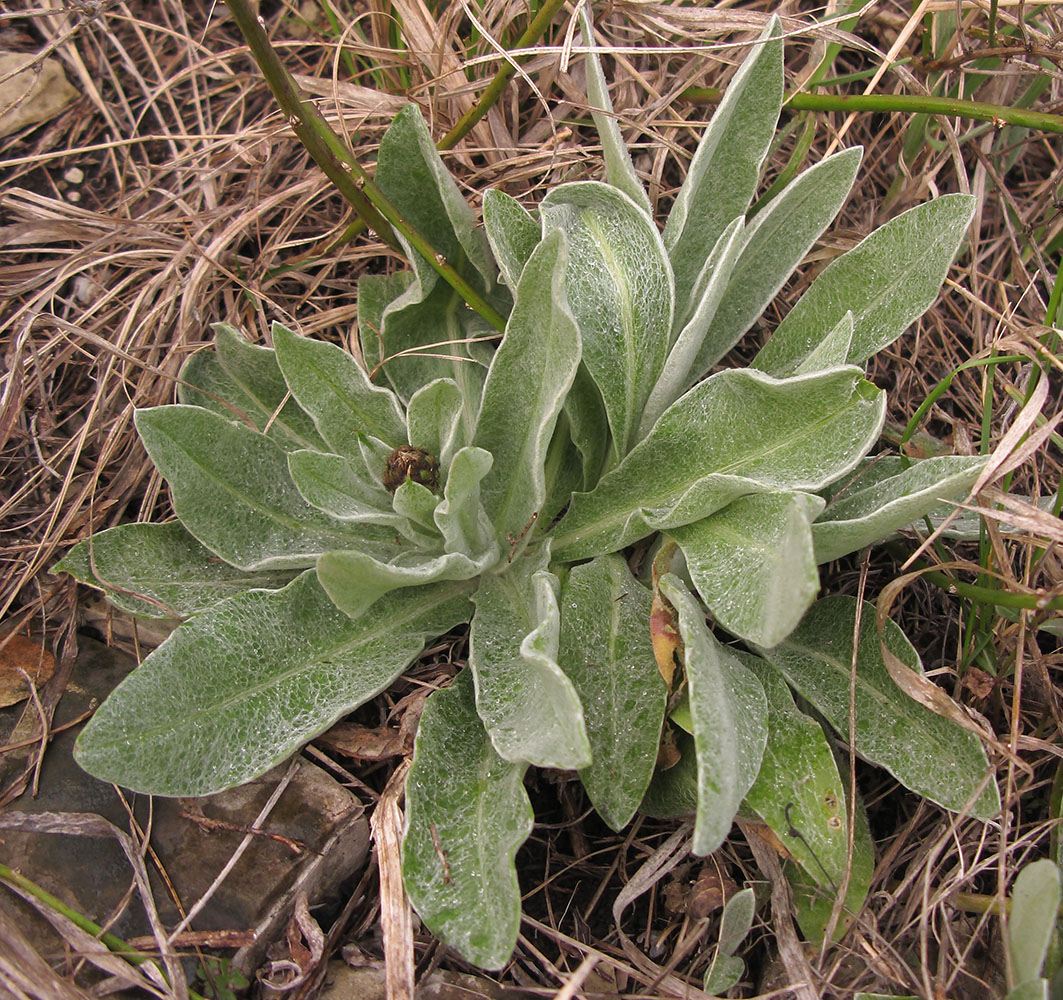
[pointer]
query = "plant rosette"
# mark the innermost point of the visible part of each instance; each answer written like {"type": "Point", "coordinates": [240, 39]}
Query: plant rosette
{"type": "Point", "coordinates": [329, 526]}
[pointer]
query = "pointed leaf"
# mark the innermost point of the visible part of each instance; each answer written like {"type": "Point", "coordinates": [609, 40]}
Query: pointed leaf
{"type": "Point", "coordinates": [1032, 920]}
{"type": "Point", "coordinates": [254, 394]}
{"type": "Point", "coordinates": [529, 706]}
{"type": "Point", "coordinates": [529, 377]}
{"type": "Point", "coordinates": [832, 350]}
{"type": "Point", "coordinates": [921, 749]}
{"type": "Point", "coordinates": [873, 510]}
{"type": "Point", "coordinates": [354, 580]}
{"type": "Point", "coordinates": [800, 795]}
{"type": "Point", "coordinates": [159, 570]}
{"type": "Point", "coordinates": [434, 420]}
{"type": "Point", "coordinates": [723, 175]}
{"type": "Point", "coordinates": [734, 434]}
{"type": "Point", "coordinates": [619, 170]}
{"type": "Point", "coordinates": [606, 653]}
{"type": "Point", "coordinates": [678, 370]}
{"type": "Point", "coordinates": [412, 175]}
{"type": "Point", "coordinates": [242, 685]}
{"type": "Point", "coordinates": [888, 281]}
{"type": "Point", "coordinates": [232, 491]}
{"type": "Point", "coordinates": [334, 389]}
{"type": "Point", "coordinates": [512, 233]}
{"type": "Point", "coordinates": [619, 287]}
{"type": "Point", "coordinates": [729, 712]}
{"type": "Point", "coordinates": [753, 564]}
{"type": "Point", "coordinates": [341, 489]}
{"type": "Point", "coordinates": [466, 815]}
{"type": "Point", "coordinates": [776, 242]}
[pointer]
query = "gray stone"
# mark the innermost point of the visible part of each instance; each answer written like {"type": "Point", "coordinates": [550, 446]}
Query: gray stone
{"type": "Point", "coordinates": [317, 838]}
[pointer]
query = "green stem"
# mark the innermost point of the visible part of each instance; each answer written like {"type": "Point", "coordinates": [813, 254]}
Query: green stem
{"type": "Point", "coordinates": [342, 167]}
{"type": "Point", "coordinates": [113, 943]}
{"type": "Point", "coordinates": [988, 595]}
{"type": "Point", "coordinates": [905, 104]}
{"type": "Point", "coordinates": [493, 91]}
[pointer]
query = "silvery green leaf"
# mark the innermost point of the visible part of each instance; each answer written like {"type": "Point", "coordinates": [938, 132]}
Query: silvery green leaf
{"type": "Point", "coordinates": [735, 923]}
{"type": "Point", "coordinates": [332, 387]}
{"type": "Point", "coordinates": [417, 503]}
{"type": "Point", "coordinates": [434, 421]}
{"type": "Point", "coordinates": [619, 287]}
{"type": "Point", "coordinates": [776, 242]}
{"type": "Point", "coordinates": [460, 517]}
{"type": "Point", "coordinates": [676, 376]}
{"type": "Point", "coordinates": [753, 563]}
{"type": "Point", "coordinates": [619, 170]}
{"type": "Point", "coordinates": [340, 488]}
{"type": "Point", "coordinates": [922, 750]}
{"type": "Point", "coordinates": [245, 683]}
{"type": "Point", "coordinates": [530, 708]}
{"type": "Point", "coordinates": [872, 510]}
{"type": "Point", "coordinates": [512, 233]}
{"type": "Point", "coordinates": [375, 293]}
{"type": "Point", "coordinates": [1034, 989]}
{"type": "Point", "coordinates": [232, 491]}
{"type": "Point", "coordinates": [738, 432]}
{"type": "Point", "coordinates": [606, 652]}
{"type": "Point", "coordinates": [1035, 898]}
{"type": "Point", "coordinates": [729, 713]}
{"type": "Point", "coordinates": [802, 798]}
{"type": "Point", "coordinates": [246, 385]}
{"type": "Point", "coordinates": [832, 350]}
{"type": "Point", "coordinates": [412, 175]}
{"type": "Point", "coordinates": [723, 175]}
{"type": "Point", "coordinates": [525, 388]}
{"type": "Point", "coordinates": [466, 815]}
{"type": "Point", "coordinates": [159, 570]}
{"type": "Point", "coordinates": [888, 280]}
{"type": "Point", "coordinates": [354, 580]}
{"type": "Point", "coordinates": [563, 472]}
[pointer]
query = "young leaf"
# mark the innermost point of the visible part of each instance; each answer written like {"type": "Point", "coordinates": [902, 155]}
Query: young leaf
{"type": "Point", "coordinates": [466, 815]}
{"type": "Point", "coordinates": [729, 713]}
{"type": "Point", "coordinates": [735, 923]}
{"type": "Point", "coordinates": [521, 402]}
{"type": "Point", "coordinates": [530, 708]}
{"type": "Point", "coordinates": [619, 170]}
{"type": "Point", "coordinates": [333, 388]}
{"type": "Point", "coordinates": [337, 486]}
{"type": "Point", "coordinates": [606, 652]}
{"type": "Point", "coordinates": [675, 377]}
{"type": "Point", "coordinates": [159, 570]}
{"type": "Point", "coordinates": [232, 491]}
{"type": "Point", "coordinates": [753, 564]}
{"type": "Point", "coordinates": [723, 175]}
{"type": "Point", "coordinates": [888, 281]}
{"type": "Point", "coordinates": [245, 383]}
{"type": "Point", "coordinates": [588, 426]}
{"type": "Point", "coordinates": [245, 683]}
{"type": "Point", "coordinates": [354, 580]}
{"type": "Point", "coordinates": [619, 287]}
{"type": "Point", "coordinates": [800, 795]}
{"type": "Point", "coordinates": [434, 422]}
{"type": "Point", "coordinates": [776, 242]}
{"type": "Point", "coordinates": [874, 510]}
{"type": "Point", "coordinates": [921, 749]}
{"type": "Point", "coordinates": [512, 233]}
{"type": "Point", "coordinates": [736, 433]}
{"type": "Point", "coordinates": [461, 518]}
{"type": "Point", "coordinates": [1035, 900]}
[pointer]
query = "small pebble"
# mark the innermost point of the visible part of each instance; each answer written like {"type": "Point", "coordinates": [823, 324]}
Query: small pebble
{"type": "Point", "coordinates": [73, 175]}
{"type": "Point", "coordinates": [74, 196]}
